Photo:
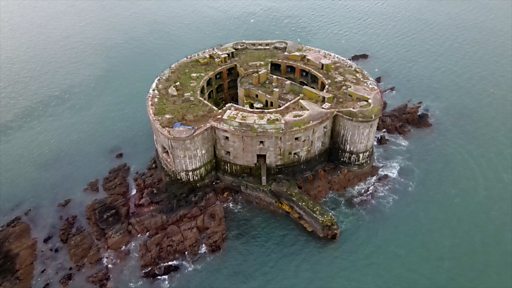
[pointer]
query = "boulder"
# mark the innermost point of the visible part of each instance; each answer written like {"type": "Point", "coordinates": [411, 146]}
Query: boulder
{"type": "Point", "coordinates": [358, 57]}
{"type": "Point", "coordinates": [400, 119]}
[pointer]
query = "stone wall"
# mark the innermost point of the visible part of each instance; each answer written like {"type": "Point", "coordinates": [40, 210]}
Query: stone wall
{"type": "Point", "coordinates": [311, 77]}
{"type": "Point", "coordinates": [186, 158]}
{"type": "Point", "coordinates": [238, 143]}
{"type": "Point", "coordinates": [352, 141]}
{"type": "Point", "coordinates": [281, 148]}
{"type": "Point", "coordinates": [221, 84]}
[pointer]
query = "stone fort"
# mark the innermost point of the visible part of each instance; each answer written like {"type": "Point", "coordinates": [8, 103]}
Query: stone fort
{"type": "Point", "coordinates": [261, 107]}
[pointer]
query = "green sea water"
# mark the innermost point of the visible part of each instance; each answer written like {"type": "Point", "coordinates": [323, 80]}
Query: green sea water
{"type": "Point", "coordinates": [74, 77]}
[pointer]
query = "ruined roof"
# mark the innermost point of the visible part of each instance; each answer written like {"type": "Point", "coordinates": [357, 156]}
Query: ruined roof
{"type": "Point", "coordinates": [175, 96]}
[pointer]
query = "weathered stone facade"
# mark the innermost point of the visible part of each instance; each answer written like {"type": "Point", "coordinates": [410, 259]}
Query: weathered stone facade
{"type": "Point", "coordinates": [245, 106]}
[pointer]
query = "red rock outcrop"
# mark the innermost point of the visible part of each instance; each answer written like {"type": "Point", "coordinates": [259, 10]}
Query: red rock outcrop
{"type": "Point", "coordinates": [400, 119]}
{"type": "Point", "coordinates": [17, 254]}
{"type": "Point", "coordinates": [82, 249]}
{"type": "Point", "coordinates": [173, 236]}
{"type": "Point", "coordinates": [108, 216]}
{"type": "Point", "coordinates": [318, 184]}
{"type": "Point", "coordinates": [173, 231]}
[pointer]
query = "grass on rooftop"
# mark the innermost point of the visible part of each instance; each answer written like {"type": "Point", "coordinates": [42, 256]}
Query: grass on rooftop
{"type": "Point", "coordinates": [191, 112]}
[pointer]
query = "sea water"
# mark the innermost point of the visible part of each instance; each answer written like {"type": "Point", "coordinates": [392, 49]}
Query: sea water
{"type": "Point", "coordinates": [74, 78]}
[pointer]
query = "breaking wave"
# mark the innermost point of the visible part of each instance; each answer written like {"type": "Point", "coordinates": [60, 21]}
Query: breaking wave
{"type": "Point", "coordinates": [235, 206]}
{"type": "Point", "coordinates": [380, 190]}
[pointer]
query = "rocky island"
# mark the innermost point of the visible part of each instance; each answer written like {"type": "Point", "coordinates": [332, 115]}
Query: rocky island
{"type": "Point", "coordinates": [274, 123]}
{"type": "Point", "coordinates": [248, 111]}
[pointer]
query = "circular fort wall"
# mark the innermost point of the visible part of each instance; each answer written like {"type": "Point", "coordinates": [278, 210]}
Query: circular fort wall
{"type": "Point", "coordinates": [187, 158]}
{"type": "Point", "coordinates": [352, 141]}
{"type": "Point", "coordinates": [238, 151]}
{"type": "Point", "coordinates": [191, 153]}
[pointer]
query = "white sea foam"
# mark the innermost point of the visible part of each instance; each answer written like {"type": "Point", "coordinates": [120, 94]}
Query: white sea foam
{"type": "Point", "coordinates": [235, 207]}
{"type": "Point", "coordinates": [137, 283]}
{"type": "Point", "coordinates": [164, 281]}
{"type": "Point", "coordinates": [188, 265]}
{"type": "Point", "coordinates": [391, 168]}
{"type": "Point", "coordinates": [109, 259]}
{"type": "Point", "coordinates": [398, 139]}
{"type": "Point", "coordinates": [394, 139]}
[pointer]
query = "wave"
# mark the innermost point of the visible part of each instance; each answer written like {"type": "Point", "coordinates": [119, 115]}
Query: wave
{"type": "Point", "coordinates": [235, 206]}
{"type": "Point", "coordinates": [401, 142]}
{"type": "Point", "coordinates": [379, 191]}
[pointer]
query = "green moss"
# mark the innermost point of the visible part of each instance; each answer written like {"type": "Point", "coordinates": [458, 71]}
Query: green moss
{"type": "Point", "coordinates": [365, 114]}
{"type": "Point", "coordinates": [247, 56]}
{"type": "Point", "coordinates": [272, 121]}
{"type": "Point", "coordinates": [295, 89]}
{"type": "Point", "coordinates": [190, 111]}
{"type": "Point", "coordinates": [299, 124]}
{"type": "Point", "coordinates": [357, 97]}
{"type": "Point", "coordinates": [311, 95]}
{"type": "Point", "coordinates": [217, 102]}
{"type": "Point", "coordinates": [317, 211]}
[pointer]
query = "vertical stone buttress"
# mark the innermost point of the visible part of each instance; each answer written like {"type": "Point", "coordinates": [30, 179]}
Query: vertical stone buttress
{"type": "Point", "coordinates": [188, 159]}
{"type": "Point", "coordinates": [352, 141]}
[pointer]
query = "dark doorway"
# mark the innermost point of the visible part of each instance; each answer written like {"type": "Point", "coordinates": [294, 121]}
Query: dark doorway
{"type": "Point", "coordinates": [262, 162]}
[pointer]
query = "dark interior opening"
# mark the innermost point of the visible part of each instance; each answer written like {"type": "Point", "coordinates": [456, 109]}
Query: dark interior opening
{"type": "Point", "coordinates": [275, 68]}
{"type": "Point", "coordinates": [290, 70]}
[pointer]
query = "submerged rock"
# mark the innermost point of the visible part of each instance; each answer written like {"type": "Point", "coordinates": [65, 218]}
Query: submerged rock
{"type": "Point", "coordinates": [65, 280]}
{"type": "Point", "coordinates": [47, 239]}
{"type": "Point", "coordinates": [93, 186]}
{"type": "Point", "coordinates": [366, 195]}
{"type": "Point", "coordinates": [389, 89]}
{"type": "Point", "coordinates": [100, 278]}
{"type": "Point", "coordinates": [358, 57]}
{"type": "Point", "coordinates": [160, 270]}
{"type": "Point", "coordinates": [64, 203]}
{"type": "Point", "coordinates": [17, 254]}
{"type": "Point", "coordinates": [382, 140]}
